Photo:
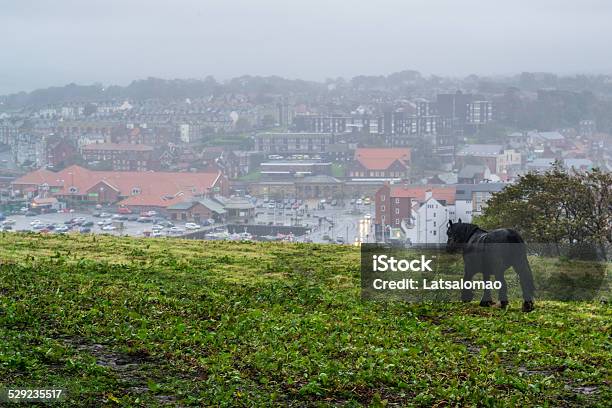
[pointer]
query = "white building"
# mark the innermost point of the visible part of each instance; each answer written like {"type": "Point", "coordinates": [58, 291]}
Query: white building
{"type": "Point", "coordinates": [429, 222]}
{"type": "Point", "coordinates": [184, 131]}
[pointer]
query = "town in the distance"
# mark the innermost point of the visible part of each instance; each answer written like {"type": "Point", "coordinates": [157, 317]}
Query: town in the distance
{"type": "Point", "coordinates": [369, 159]}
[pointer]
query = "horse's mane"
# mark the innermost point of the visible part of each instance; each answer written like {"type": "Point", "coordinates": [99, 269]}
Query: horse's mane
{"type": "Point", "coordinates": [464, 230]}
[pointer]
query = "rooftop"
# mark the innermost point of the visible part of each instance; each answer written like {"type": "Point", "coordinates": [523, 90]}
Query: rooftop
{"type": "Point", "coordinates": [481, 150]}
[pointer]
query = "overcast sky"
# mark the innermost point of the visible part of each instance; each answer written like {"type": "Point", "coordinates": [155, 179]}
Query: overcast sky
{"type": "Point", "coordinates": [45, 43]}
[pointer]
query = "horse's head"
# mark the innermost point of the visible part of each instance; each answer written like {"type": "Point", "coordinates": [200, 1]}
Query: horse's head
{"type": "Point", "coordinates": [458, 234]}
{"type": "Point", "coordinates": [451, 233]}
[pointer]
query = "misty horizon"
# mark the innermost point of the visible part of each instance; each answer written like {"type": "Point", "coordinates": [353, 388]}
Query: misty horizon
{"type": "Point", "coordinates": [45, 45]}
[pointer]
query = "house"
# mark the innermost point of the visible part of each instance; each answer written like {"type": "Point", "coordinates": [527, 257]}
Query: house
{"type": "Point", "coordinates": [30, 184]}
{"type": "Point", "coordinates": [287, 143]}
{"type": "Point", "coordinates": [498, 159]}
{"type": "Point", "coordinates": [471, 199]}
{"type": "Point", "coordinates": [59, 152]}
{"type": "Point", "coordinates": [380, 163]}
{"type": "Point", "coordinates": [540, 165]}
{"type": "Point", "coordinates": [394, 204]}
{"type": "Point", "coordinates": [120, 157]}
{"type": "Point", "coordinates": [319, 186]}
{"type": "Point", "coordinates": [135, 190]}
{"type": "Point", "coordinates": [295, 168]}
{"type": "Point", "coordinates": [45, 204]}
{"type": "Point", "coordinates": [552, 139]}
{"type": "Point", "coordinates": [237, 209]}
{"type": "Point", "coordinates": [196, 210]}
{"type": "Point", "coordinates": [429, 221]}
{"type": "Point", "coordinates": [474, 174]}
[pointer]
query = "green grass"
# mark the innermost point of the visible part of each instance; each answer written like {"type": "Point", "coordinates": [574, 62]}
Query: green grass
{"type": "Point", "coordinates": [338, 170]}
{"type": "Point", "coordinates": [136, 322]}
{"type": "Point", "coordinates": [252, 176]}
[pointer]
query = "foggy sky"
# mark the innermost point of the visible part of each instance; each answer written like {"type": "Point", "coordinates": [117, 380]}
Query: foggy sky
{"type": "Point", "coordinates": [47, 43]}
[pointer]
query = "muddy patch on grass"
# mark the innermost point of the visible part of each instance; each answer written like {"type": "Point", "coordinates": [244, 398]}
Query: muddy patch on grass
{"type": "Point", "coordinates": [584, 390]}
{"type": "Point", "coordinates": [129, 368]}
{"type": "Point", "coordinates": [546, 372]}
{"type": "Point", "coordinates": [470, 347]}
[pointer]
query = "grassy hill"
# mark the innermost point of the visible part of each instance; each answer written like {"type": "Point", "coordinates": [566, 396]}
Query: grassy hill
{"type": "Point", "coordinates": [150, 322]}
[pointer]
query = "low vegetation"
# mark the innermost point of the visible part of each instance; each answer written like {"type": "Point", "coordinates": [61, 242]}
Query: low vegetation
{"type": "Point", "coordinates": [137, 322]}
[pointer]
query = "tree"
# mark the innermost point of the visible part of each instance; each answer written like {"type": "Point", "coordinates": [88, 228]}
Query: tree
{"type": "Point", "coordinates": [559, 206]}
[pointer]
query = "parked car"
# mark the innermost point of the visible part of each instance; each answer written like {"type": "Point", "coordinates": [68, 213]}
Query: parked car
{"type": "Point", "coordinates": [192, 226]}
{"type": "Point", "coordinates": [359, 201]}
{"type": "Point", "coordinates": [85, 230]}
{"type": "Point", "coordinates": [145, 219]}
{"type": "Point", "coordinates": [61, 228]}
{"type": "Point", "coordinates": [31, 214]}
{"type": "Point", "coordinates": [166, 224]}
{"type": "Point", "coordinates": [87, 224]}
{"type": "Point", "coordinates": [104, 215]}
{"type": "Point", "coordinates": [176, 230]}
{"type": "Point", "coordinates": [109, 227]}
{"type": "Point", "coordinates": [339, 240]}
{"type": "Point", "coordinates": [124, 210]}
{"type": "Point", "coordinates": [157, 227]}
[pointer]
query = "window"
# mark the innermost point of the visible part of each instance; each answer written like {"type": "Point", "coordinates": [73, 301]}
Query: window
{"type": "Point", "coordinates": [397, 221]}
{"type": "Point", "coordinates": [382, 208]}
{"type": "Point", "coordinates": [73, 189]}
{"type": "Point", "coordinates": [397, 201]}
{"type": "Point", "coordinates": [382, 197]}
{"type": "Point", "coordinates": [434, 232]}
{"type": "Point", "coordinates": [397, 210]}
{"type": "Point", "coordinates": [135, 190]}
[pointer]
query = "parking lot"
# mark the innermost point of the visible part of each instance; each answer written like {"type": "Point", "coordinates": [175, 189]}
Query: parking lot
{"type": "Point", "coordinates": [340, 223]}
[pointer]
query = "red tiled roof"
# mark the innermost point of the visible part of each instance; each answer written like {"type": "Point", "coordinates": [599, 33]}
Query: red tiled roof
{"type": "Point", "coordinates": [38, 177]}
{"type": "Point", "coordinates": [151, 200]}
{"type": "Point", "coordinates": [155, 187]}
{"type": "Point", "coordinates": [381, 158]}
{"type": "Point", "coordinates": [418, 192]}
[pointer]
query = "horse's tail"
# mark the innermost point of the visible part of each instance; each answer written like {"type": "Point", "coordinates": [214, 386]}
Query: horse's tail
{"type": "Point", "coordinates": [523, 269]}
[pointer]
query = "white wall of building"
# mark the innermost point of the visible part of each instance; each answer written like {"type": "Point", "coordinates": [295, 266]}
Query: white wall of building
{"type": "Point", "coordinates": [429, 222]}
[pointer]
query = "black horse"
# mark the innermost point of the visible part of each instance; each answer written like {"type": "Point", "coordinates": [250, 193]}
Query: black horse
{"type": "Point", "coordinates": [491, 253]}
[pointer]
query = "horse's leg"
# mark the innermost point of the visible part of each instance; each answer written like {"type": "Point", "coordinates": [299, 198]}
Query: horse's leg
{"type": "Point", "coordinates": [467, 295]}
{"type": "Point", "coordinates": [523, 270]}
{"type": "Point", "coordinates": [503, 291]}
{"type": "Point", "coordinates": [487, 298]}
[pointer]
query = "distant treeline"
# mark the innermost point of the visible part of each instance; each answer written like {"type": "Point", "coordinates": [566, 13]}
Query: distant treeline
{"type": "Point", "coordinates": [541, 101]}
